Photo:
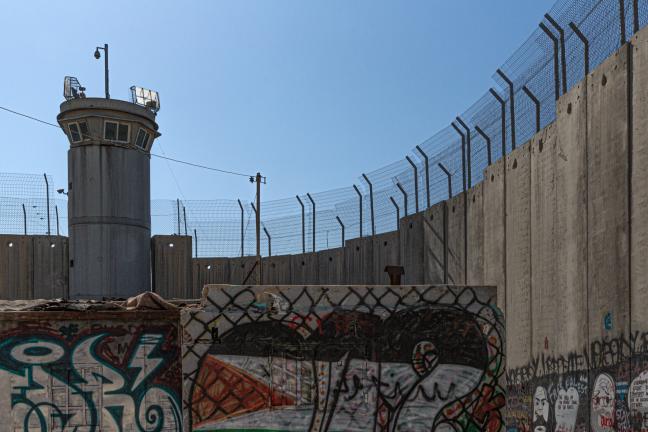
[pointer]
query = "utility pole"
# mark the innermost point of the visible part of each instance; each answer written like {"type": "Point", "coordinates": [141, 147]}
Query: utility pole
{"type": "Point", "coordinates": [259, 271]}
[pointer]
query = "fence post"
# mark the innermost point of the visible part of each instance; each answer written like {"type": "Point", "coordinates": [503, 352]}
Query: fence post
{"type": "Point", "coordinates": [488, 144]}
{"type": "Point", "coordinates": [585, 42]}
{"type": "Point", "coordinates": [468, 149]}
{"type": "Point", "coordinates": [563, 56]}
{"type": "Point", "coordinates": [400, 187]}
{"type": "Point", "coordinates": [269, 241]}
{"type": "Point", "coordinates": [242, 228]}
{"type": "Point", "coordinates": [447, 173]}
{"type": "Point", "coordinates": [503, 115]}
{"type": "Point", "coordinates": [313, 203]}
{"type": "Point", "coordinates": [342, 226]}
{"type": "Point", "coordinates": [360, 199]}
{"type": "Point", "coordinates": [303, 217]}
{"type": "Point", "coordinates": [371, 204]}
{"type": "Point", "coordinates": [622, 21]}
{"type": "Point", "coordinates": [196, 242]}
{"type": "Point", "coordinates": [58, 228]}
{"type": "Point", "coordinates": [554, 39]}
{"type": "Point", "coordinates": [178, 213]}
{"type": "Point", "coordinates": [511, 105]}
{"type": "Point", "coordinates": [416, 192]}
{"type": "Point", "coordinates": [635, 20]}
{"type": "Point", "coordinates": [427, 174]}
{"type": "Point", "coordinates": [24, 218]}
{"type": "Point", "coordinates": [536, 102]}
{"type": "Point", "coordinates": [393, 201]}
{"type": "Point", "coordinates": [184, 216]}
{"type": "Point", "coordinates": [463, 154]}
{"type": "Point", "coordinates": [49, 230]}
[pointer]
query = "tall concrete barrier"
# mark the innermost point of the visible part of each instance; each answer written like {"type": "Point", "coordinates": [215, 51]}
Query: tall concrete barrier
{"type": "Point", "coordinates": [475, 235]}
{"type": "Point", "coordinates": [243, 270]}
{"type": "Point", "coordinates": [331, 266]}
{"type": "Point", "coordinates": [50, 267]}
{"type": "Point", "coordinates": [386, 252]}
{"type": "Point", "coordinates": [127, 362]}
{"type": "Point", "coordinates": [277, 270]}
{"type": "Point", "coordinates": [412, 245]}
{"type": "Point", "coordinates": [495, 229]}
{"type": "Point", "coordinates": [518, 256]}
{"type": "Point", "coordinates": [358, 258]}
{"type": "Point", "coordinates": [456, 239]}
{"type": "Point", "coordinates": [305, 269]}
{"type": "Point", "coordinates": [16, 264]}
{"type": "Point", "coordinates": [206, 271]}
{"type": "Point", "coordinates": [172, 270]}
{"type": "Point", "coordinates": [287, 368]}
{"type": "Point", "coordinates": [434, 246]}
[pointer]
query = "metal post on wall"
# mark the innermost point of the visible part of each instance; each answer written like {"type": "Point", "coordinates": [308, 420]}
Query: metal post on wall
{"type": "Point", "coordinates": [393, 201]}
{"type": "Point", "coordinates": [303, 217]}
{"type": "Point", "coordinates": [468, 150]}
{"type": "Point", "coordinates": [416, 191]}
{"type": "Point", "coordinates": [622, 21]}
{"type": "Point", "coordinates": [371, 204]}
{"type": "Point", "coordinates": [242, 229]}
{"type": "Point", "coordinates": [447, 173]}
{"type": "Point", "coordinates": [58, 227]}
{"type": "Point", "coordinates": [313, 203]}
{"type": "Point", "coordinates": [563, 55]}
{"type": "Point", "coordinates": [400, 187]}
{"type": "Point", "coordinates": [342, 227]}
{"type": "Point", "coordinates": [184, 217]}
{"type": "Point", "coordinates": [360, 201]}
{"type": "Point", "coordinates": [511, 104]}
{"type": "Point", "coordinates": [503, 116]}
{"type": "Point", "coordinates": [536, 102]}
{"type": "Point", "coordinates": [196, 242]}
{"type": "Point", "coordinates": [489, 151]}
{"type": "Point", "coordinates": [178, 213]}
{"type": "Point", "coordinates": [49, 230]}
{"type": "Point", "coordinates": [427, 174]}
{"type": "Point", "coordinates": [635, 16]}
{"type": "Point", "coordinates": [463, 154]}
{"type": "Point", "coordinates": [269, 241]}
{"type": "Point", "coordinates": [554, 40]}
{"type": "Point", "coordinates": [24, 219]}
{"type": "Point", "coordinates": [585, 42]}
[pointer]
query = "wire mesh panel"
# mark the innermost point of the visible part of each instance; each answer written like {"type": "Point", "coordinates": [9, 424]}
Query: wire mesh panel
{"type": "Point", "coordinates": [28, 205]}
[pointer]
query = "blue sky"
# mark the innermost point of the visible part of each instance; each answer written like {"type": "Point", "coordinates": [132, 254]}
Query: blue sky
{"type": "Point", "coordinates": [310, 93]}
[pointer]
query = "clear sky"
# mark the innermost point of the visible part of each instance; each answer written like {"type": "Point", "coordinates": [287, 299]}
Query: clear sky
{"type": "Point", "coordinates": [309, 92]}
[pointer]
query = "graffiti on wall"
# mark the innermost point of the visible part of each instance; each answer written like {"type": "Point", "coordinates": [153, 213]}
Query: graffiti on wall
{"type": "Point", "coordinates": [82, 377]}
{"type": "Point", "coordinates": [602, 388]}
{"type": "Point", "coordinates": [375, 359]}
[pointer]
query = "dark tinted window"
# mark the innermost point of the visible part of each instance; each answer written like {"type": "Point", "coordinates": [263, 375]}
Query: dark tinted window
{"type": "Point", "coordinates": [142, 139]}
{"type": "Point", "coordinates": [74, 132]}
{"type": "Point", "coordinates": [83, 126]}
{"type": "Point", "coordinates": [111, 131]}
{"type": "Point", "coordinates": [123, 132]}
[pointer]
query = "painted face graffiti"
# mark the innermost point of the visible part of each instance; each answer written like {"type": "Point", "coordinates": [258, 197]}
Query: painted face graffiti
{"type": "Point", "coordinates": [603, 404]}
{"type": "Point", "coordinates": [104, 380]}
{"type": "Point", "coordinates": [540, 410]}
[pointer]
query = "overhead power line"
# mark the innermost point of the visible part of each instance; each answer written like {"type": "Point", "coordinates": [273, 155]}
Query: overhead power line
{"type": "Point", "coordinates": [223, 171]}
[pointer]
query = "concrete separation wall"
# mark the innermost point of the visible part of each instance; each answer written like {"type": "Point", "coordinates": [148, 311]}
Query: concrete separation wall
{"type": "Point", "coordinates": [330, 266]}
{"type": "Point", "coordinates": [94, 370]}
{"type": "Point", "coordinates": [279, 357]}
{"type": "Point", "coordinates": [475, 235]}
{"type": "Point", "coordinates": [209, 271]}
{"type": "Point", "coordinates": [386, 252]}
{"type": "Point", "coordinates": [172, 269]}
{"type": "Point", "coordinates": [358, 258]}
{"type": "Point", "coordinates": [456, 239]}
{"type": "Point", "coordinates": [304, 268]}
{"type": "Point", "coordinates": [495, 229]}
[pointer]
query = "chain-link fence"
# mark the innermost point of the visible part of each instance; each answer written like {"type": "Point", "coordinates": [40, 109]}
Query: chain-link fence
{"type": "Point", "coordinates": [573, 38]}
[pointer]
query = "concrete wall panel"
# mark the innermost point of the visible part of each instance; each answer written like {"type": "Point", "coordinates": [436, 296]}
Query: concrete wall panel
{"type": "Point", "coordinates": [434, 244]}
{"type": "Point", "coordinates": [331, 266]}
{"type": "Point", "coordinates": [518, 256]}
{"type": "Point", "coordinates": [240, 269]}
{"type": "Point", "coordinates": [607, 237]}
{"type": "Point", "coordinates": [208, 271]}
{"type": "Point", "coordinates": [386, 252]}
{"type": "Point", "coordinates": [412, 245]}
{"type": "Point", "coordinates": [358, 257]}
{"type": "Point", "coordinates": [475, 235]}
{"type": "Point", "coordinates": [16, 264]}
{"type": "Point", "coordinates": [456, 244]}
{"type": "Point", "coordinates": [277, 270]}
{"type": "Point", "coordinates": [50, 267]}
{"type": "Point", "coordinates": [172, 270]}
{"type": "Point", "coordinates": [305, 269]}
{"type": "Point", "coordinates": [495, 230]}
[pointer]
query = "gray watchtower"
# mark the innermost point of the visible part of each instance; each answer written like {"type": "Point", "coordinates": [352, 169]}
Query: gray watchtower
{"type": "Point", "coordinates": [109, 194]}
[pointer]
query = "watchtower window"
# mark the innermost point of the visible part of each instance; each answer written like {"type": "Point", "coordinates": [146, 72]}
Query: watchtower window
{"type": "Point", "coordinates": [114, 131]}
{"type": "Point", "coordinates": [78, 131]}
{"type": "Point", "coordinates": [142, 139]}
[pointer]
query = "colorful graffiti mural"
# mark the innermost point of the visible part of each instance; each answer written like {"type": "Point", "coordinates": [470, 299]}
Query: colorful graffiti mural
{"type": "Point", "coordinates": [87, 376]}
{"type": "Point", "coordinates": [344, 359]}
{"type": "Point", "coordinates": [603, 388]}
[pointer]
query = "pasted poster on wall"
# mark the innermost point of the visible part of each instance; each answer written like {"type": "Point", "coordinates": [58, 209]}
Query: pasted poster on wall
{"type": "Point", "coordinates": [344, 359]}
{"type": "Point", "coordinates": [86, 376]}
